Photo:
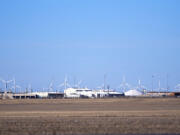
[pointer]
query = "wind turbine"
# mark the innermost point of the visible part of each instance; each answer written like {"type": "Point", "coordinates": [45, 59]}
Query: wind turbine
{"type": "Point", "coordinates": [105, 76]}
{"type": "Point", "coordinates": [78, 84]}
{"type": "Point", "coordinates": [16, 86]}
{"type": "Point", "coordinates": [124, 86]}
{"type": "Point", "coordinates": [29, 88]}
{"type": "Point", "coordinates": [50, 88]}
{"type": "Point", "coordinates": [140, 87]}
{"type": "Point", "coordinates": [14, 81]}
{"type": "Point", "coordinates": [159, 85]}
{"type": "Point", "coordinates": [103, 86]}
{"type": "Point", "coordinates": [20, 88]}
{"type": "Point", "coordinates": [6, 82]}
{"type": "Point", "coordinates": [159, 88]}
{"type": "Point", "coordinates": [65, 83]}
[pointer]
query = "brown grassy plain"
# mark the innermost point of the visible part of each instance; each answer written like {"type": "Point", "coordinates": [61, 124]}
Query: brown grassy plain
{"type": "Point", "coordinates": [90, 116]}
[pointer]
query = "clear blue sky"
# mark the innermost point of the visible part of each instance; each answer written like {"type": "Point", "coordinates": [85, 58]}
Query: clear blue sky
{"type": "Point", "coordinates": [42, 40]}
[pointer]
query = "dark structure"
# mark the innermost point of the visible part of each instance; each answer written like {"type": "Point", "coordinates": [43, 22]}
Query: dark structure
{"type": "Point", "coordinates": [55, 95]}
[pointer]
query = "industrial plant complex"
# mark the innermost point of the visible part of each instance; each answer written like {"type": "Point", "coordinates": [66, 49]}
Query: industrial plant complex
{"type": "Point", "coordinates": [16, 92]}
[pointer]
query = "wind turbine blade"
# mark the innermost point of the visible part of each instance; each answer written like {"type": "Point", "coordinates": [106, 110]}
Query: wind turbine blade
{"type": "Point", "coordinates": [9, 81]}
{"type": "Point", "coordinates": [79, 82]}
{"type": "Point", "coordinates": [3, 81]}
{"type": "Point", "coordinates": [61, 85]}
{"type": "Point", "coordinates": [68, 85]}
{"type": "Point", "coordinates": [51, 85]}
{"type": "Point", "coordinates": [18, 86]}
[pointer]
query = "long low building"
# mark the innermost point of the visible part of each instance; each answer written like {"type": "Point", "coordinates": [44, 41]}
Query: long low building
{"type": "Point", "coordinates": [38, 95]}
{"type": "Point", "coordinates": [88, 93]}
{"type": "Point", "coordinates": [78, 93]}
{"type": "Point", "coordinates": [163, 94]}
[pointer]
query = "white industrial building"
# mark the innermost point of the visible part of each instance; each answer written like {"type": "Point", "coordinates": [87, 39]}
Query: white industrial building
{"type": "Point", "coordinates": [132, 93]}
{"type": "Point", "coordinates": [41, 94]}
{"type": "Point", "coordinates": [78, 92]}
{"type": "Point", "coordinates": [88, 93]}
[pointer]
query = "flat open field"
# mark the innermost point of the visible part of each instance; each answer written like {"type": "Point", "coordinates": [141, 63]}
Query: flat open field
{"type": "Point", "coordinates": [90, 116]}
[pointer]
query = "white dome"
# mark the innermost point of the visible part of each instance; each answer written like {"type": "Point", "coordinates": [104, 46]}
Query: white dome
{"type": "Point", "coordinates": [133, 93]}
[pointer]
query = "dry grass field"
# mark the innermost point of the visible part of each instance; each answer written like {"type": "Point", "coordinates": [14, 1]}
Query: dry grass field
{"type": "Point", "coordinates": [90, 116]}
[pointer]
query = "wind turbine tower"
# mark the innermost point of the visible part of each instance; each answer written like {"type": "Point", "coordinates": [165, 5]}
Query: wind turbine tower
{"type": "Point", "coordinates": [6, 84]}
{"type": "Point", "coordinates": [159, 83]}
{"type": "Point", "coordinates": [105, 81]}
{"type": "Point", "coordinates": [14, 81]}
{"type": "Point", "coordinates": [65, 83]}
